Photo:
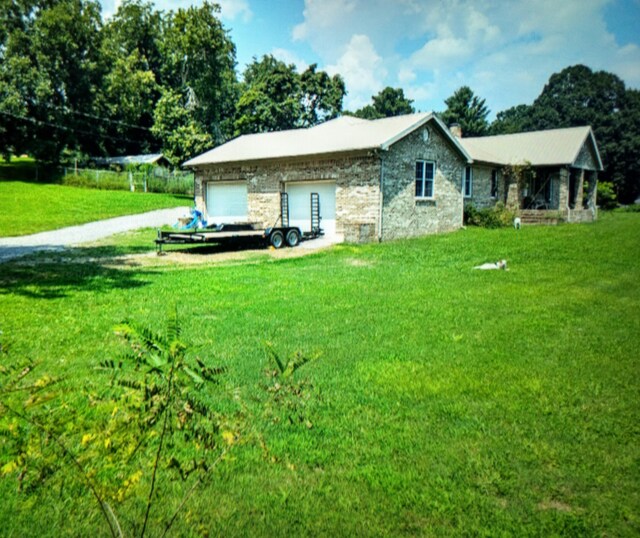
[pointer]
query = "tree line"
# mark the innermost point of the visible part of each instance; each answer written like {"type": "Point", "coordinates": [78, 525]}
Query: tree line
{"type": "Point", "coordinates": [73, 85]}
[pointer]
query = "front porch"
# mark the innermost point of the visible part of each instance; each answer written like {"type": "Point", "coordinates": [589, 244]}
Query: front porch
{"type": "Point", "coordinates": [553, 195]}
{"type": "Point", "coordinates": [555, 216]}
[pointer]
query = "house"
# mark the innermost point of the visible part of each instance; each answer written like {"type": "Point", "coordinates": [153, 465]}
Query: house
{"type": "Point", "coordinates": [377, 179]}
{"type": "Point", "coordinates": [542, 175]}
{"type": "Point", "coordinates": [153, 158]}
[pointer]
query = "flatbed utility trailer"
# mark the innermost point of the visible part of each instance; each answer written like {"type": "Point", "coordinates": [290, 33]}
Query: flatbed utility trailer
{"type": "Point", "coordinates": [276, 236]}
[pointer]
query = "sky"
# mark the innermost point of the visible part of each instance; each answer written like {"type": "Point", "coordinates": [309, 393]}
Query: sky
{"type": "Point", "coordinates": [504, 50]}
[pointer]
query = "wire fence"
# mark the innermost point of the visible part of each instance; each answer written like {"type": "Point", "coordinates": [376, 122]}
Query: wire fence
{"type": "Point", "coordinates": [139, 179]}
{"type": "Point", "coordinates": [154, 180]}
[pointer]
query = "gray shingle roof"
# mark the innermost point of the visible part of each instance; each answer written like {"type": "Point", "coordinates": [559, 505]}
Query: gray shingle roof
{"type": "Point", "coordinates": [540, 148]}
{"type": "Point", "coordinates": [344, 134]}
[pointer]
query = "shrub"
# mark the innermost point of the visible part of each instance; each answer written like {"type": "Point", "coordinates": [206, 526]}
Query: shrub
{"type": "Point", "coordinates": [607, 198]}
{"type": "Point", "coordinates": [495, 217]}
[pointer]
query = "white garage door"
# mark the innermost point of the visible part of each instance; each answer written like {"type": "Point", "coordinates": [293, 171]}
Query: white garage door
{"type": "Point", "coordinates": [300, 205]}
{"type": "Point", "coordinates": [226, 202]}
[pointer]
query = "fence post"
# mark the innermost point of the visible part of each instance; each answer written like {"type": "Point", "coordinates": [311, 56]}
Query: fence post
{"type": "Point", "coordinates": [131, 185]}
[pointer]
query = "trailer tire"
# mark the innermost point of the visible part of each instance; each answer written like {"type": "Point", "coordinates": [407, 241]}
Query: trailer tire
{"type": "Point", "coordinates": [293, 238]}
{"type": "Point", "coordinates": [277, 239]}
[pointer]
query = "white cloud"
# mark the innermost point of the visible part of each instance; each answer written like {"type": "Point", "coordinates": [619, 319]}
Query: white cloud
{"type": "Point", "coordinates": [289, 57]}
{"type": "Point", "coordinates": [505, 51]}
{"type": "Point", "coordinates": [362, 69]}
{"type": "Point", "coordinates": [232, 9]}
{"type": "Point", "coordinates": [321, 15]}
{"type": "Point", "coordinates": [406, 75]}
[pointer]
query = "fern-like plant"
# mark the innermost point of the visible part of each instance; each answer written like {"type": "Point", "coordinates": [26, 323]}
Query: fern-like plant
{"type": "Point", "coordinates": [157, 413]}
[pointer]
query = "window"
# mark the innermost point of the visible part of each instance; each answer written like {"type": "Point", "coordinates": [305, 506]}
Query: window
{"type": "Point", "coordinates": [425, 172]}
{"type": "Point", "coordinates": [494, 183]}
{"type": "Point", "coordinates": [467, 183]}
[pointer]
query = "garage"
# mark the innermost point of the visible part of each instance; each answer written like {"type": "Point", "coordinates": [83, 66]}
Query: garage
{"type": "Point", "coordinates": [300, 205]}
{"type": "Point", "coordinates": [227, 202]}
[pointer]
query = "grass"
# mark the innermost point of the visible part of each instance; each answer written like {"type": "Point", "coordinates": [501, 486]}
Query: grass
{"type": "Point", "coordinates": [27, 208]}
{"type": "Point", "coordinates": [446, 401]}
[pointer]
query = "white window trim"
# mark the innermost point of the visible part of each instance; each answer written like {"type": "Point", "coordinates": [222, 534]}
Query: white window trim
{"type": "Point", "coordinates": [464, 182]}
{"type": "Point", "coordinates": [433, 180]}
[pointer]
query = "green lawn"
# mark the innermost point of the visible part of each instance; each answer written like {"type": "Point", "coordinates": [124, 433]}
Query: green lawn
{"type": "Point", "coordinates": [445, 401]}
{"type": "Point", "coordinates": [27, 208]}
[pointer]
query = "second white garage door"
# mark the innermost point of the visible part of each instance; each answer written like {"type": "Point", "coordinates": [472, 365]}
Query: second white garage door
{"type": "Point", "coordinates": [227, 202]}
{"type": "Point", "coordinates": [300, 205]}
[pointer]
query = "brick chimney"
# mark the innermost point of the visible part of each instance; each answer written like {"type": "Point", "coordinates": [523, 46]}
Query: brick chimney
{"type": "Point", "coordinates": [456, 130]}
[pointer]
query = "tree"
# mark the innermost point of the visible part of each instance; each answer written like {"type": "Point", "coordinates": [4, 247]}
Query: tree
{"type": "Point", "coordinates": [135, 27]}
{"type": "Point", "coordinates": [389, 102]}
{"type": "Point", "coordinates": [322, 95]}
{"type": "Point", "coordinates": [579, 96]}
{"type": "Point", "coordinates": [50, 59]}
{"type": "Point", "coordinates": [269, 98]}
{"type": "Point", "coordinates": [127, 99]}
{"type": "Point", "coordinates": [274, 97]}
{"type": "Point", "coordinates": [132, 64]}
{"type": "Point", "coordinates": [182, 136]}
{"type": "Point", "coordinates": [468, 110]}
{"type": "Point", "coordinates": [199, 61]}
{"type": "Point", "coordinates": [513, 120]}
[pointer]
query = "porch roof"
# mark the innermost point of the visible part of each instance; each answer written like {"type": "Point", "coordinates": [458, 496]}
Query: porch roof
{"type": "Point", "coordinates": [555, 147]}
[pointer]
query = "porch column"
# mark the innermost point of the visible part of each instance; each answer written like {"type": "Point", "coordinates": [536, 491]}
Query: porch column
{"type": "Point", "coordinates": [593, 190]}
{"type": "Point", "coordinates": [563, 202]}
{"type": "Point", "coordinates": [511, 193]}
{"type": "Point", "coordinates": [580, 190]}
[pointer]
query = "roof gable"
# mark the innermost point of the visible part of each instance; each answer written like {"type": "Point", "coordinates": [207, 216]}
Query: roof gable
{"type": "Point", "coordinates": [540, 148]}
{"type": "Point", "coordinates": [341, 135]}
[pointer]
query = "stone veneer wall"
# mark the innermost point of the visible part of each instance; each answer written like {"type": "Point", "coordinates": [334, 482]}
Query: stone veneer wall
{"type": "Point", "coordinates": [357, 179]}
{"type": "Point", "coordinates": [586, 158]}
{"type": "Point", "coordinates": [404, 215]}
{"type": "Point", "coordinates": [481, 194]}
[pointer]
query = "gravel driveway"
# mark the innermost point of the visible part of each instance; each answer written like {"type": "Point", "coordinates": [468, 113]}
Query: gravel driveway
{"type": "Point", "coordinates": [13, 247]}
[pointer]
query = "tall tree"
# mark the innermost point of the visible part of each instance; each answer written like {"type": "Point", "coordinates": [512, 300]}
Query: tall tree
{"type": "Point", "coordinates": [274, 97]}
{"type": "Point", "coordinates": [199, 61]}
{"type": "Point", "coordinates": [50, 59]}
{"type": "Point", "coordinates": [468, 110]}
{"type": "Point", "coordinates": [388, 102]}
{"type": "Point", "coordinates": [269, 98]}
{"type": "Point", "coordinates": [127, 101]}
{"type": "Point", "coordinates": [322, 95]}
{"type": "Point", "coordinates": [513, 120]}
{"type": "Point", "coordinates": [132, 65]}
{"type": "Point", "coordinates": [182, 136]}
{"type": "Point", "coordinates": [135, 27]}
{"type": "Point", "coordinates": [579, 96]}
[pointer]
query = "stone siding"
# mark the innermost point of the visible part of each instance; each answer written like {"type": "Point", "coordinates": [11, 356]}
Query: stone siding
{"type": "Point", "coordinates": [404, 215]}
{"type": "Point", "coordinates": [481, 193]}
{"type": "Point", "coordinates": [586, 158]}
{"type": "Point", "coordinates": [357, 181]}
{"type": "Point", "coordinates": [357, 178]}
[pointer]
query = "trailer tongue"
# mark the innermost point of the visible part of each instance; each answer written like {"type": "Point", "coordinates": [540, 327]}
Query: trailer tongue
{"type": "Point", "coordinates": [250, 233]}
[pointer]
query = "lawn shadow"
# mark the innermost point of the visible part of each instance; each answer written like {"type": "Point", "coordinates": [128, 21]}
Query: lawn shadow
{"type": "Point", "coordinates": [53, 275]}
{"type": "Point", "coordinates": [221, 248]}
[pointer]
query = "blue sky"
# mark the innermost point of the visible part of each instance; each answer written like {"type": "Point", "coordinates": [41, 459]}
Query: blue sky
{"type": "Point", "coordinates": [505, 50]}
